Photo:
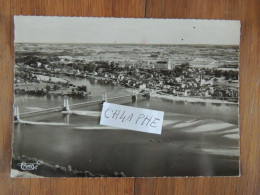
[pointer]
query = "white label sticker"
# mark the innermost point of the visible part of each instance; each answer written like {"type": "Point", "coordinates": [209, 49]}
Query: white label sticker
{"type": "Point", "coordinates": [127, 117]}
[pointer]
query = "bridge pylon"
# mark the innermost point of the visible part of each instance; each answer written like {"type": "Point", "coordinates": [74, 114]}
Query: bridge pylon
{"type": "Point", "coordinates": [66, 106]}
{"type": "Point", "coordinates": [134, 95]}
{"type": "Point", "coordinates": [16, 113]}
{"type": "Point", "coordinates": [104, 97]}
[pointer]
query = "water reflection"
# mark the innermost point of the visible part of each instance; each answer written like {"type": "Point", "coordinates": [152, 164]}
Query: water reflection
{"type": "Point", "coordinates": [66, 118]}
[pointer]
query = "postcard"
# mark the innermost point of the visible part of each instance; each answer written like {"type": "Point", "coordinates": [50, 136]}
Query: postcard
{"type": "Point", "coordinates": [125, 97]}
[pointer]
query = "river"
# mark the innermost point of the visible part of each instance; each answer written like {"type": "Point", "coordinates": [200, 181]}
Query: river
{"type": "Point", "coordinates": [198, 139]}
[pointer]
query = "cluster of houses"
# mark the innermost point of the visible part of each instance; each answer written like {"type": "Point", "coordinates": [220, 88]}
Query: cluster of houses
{"type": "Point", "coordinates": [161, 76]}
{"type": "Point", "coordinates": [164, 79]}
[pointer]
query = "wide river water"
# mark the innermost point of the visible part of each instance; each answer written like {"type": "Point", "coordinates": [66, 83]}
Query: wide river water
{"type": "Point", "coordinates": [198, 139]}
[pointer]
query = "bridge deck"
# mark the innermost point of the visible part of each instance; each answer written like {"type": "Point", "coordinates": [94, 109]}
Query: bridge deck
{"type": "Point", "coordinates": [73, 106]}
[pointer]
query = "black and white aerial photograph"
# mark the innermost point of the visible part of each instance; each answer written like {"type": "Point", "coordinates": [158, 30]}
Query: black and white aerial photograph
{"type": "Point", "coordinates": [67, 67]}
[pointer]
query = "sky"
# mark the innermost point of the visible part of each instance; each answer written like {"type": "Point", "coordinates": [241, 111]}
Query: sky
{"type": "Point", "coordinates": [49, 29]}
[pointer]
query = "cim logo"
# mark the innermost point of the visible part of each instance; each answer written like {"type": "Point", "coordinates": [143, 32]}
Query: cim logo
{"type": "Point", "coordinates": [28, 166]}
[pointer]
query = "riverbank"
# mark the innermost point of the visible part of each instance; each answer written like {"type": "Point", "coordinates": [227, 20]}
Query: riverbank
{"type": "Point", "coordinates": [191, 99]}
{"type": "Point", "coordinates": [169, 97]}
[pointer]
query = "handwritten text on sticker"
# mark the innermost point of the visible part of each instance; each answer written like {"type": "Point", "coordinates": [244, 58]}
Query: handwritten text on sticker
{"type": "Point", "coordinates": [127, 117]}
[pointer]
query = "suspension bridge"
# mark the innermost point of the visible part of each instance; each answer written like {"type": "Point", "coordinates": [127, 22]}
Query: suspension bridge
{"type": "Point", "coordinates": [66, 107]}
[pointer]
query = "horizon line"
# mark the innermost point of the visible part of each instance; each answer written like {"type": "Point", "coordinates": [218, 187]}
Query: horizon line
{"type": "Point", "coordinates": [125, 44]}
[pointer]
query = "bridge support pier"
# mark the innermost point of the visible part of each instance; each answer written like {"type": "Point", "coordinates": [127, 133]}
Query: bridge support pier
{"type": "Point", "coordinates": [104, 97]}
{"type": "Point", "coordinates": [66, 106]}
{"type": "Point", "coordinates": [16, 113]}
{"type": "Point", "coordinates": [134, 96]}
{"type": "Point", "coordinates": [148, 96]}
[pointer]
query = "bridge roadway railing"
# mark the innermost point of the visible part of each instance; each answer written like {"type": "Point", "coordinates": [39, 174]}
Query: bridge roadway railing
{"type": "Point", "coordinates": [73, 106]}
